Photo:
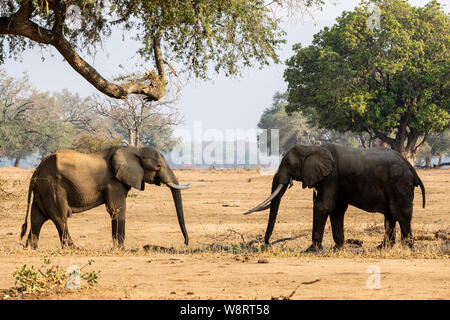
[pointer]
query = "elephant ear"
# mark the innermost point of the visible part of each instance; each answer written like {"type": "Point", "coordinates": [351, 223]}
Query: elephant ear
{"type": "Point", "coordinates": [316, 166]}
{"type": "Point", "coordinates": [127, 168]}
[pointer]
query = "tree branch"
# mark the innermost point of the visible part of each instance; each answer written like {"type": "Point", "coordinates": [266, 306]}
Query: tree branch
{"type": "Point", "coordinates": [158, 55]}
{"type": "Point", "coordinates": [414, 150]}
{"type": "Point", "coordinates": [59, 10]}
{"type": "Point", "coordinates": [16, 25]}
{"type": "Point", "coordinates": [25, 11]}
{"type": "Point", "coordinates": [384, 138]}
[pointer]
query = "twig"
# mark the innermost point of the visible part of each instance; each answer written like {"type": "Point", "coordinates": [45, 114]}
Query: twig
{"type": "Point", "coordinates": [286, 239]}
{"type": "Point", "coordinates": [311, 282]}
{"type": "Point", "coordinates": [293, 292]}
{"type": "Point", "coordinates": [238, 233]}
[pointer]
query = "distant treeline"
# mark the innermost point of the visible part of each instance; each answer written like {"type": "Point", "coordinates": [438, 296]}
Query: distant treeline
{"type": "Point", "coordinates": [34, 122]}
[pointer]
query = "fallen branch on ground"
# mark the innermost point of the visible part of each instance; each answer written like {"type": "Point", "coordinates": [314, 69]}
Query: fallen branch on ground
{"type": "Point", "coordinates": [295, 290]}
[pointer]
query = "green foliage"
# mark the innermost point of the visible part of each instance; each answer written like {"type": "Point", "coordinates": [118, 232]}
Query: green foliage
{"type": "Point", "coordinates": [224, 35]}
{"type": "Point", "coordinates": [160, 138]}
{"type": "Point", "coordinates": [33, 121]}
{"type": "Point", "coordinates": [47, 276]}
{"type": "Point", "coordinates": [89, 143]}
{"type": "Point", "coordinates": [391, 82]}
{"type": "Point", "coordinates": [294, 128]}
{"type": "Point", "coordinates": [29, 120]}
{"type": "Point", "coordinates": [437, 145]}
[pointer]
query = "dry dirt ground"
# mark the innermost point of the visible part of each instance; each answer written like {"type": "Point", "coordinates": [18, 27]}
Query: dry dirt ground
{"type": "Point", "coordinates": [213, 212]}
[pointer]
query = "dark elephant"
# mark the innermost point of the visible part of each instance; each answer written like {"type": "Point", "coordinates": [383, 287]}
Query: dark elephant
{"type": "Point", "coordinates": [374, 180]}
{"type": "Point", "coordinates": [67, 182]}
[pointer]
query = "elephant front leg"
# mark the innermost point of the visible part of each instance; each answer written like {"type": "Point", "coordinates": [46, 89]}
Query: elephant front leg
{"type": "Point", "coordinates": [115, 201]}
{"type": "Point", "coordinates": [322, 208]}
{"type": "Point", "coordinates": [118, 226]}
{"type": "Point", "coordinates": [319, 221]}
{"type": "Point", "coordinates": [337, 224]}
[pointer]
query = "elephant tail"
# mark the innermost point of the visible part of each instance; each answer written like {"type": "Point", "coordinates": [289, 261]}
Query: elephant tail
{"type": "Point", "coordinates": [417, 181]}
{"type": "Point", "coordinates": [422, 187]}
{"type": "Point", "coordinates": [25, 225]}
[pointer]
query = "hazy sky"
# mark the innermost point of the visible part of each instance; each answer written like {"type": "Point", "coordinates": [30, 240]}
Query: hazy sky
{"type": "Point", "coordinates": [221, 104]}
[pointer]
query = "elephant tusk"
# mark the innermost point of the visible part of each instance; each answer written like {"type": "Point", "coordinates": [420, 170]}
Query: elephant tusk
{"type": "Point", "coordinates": [178, 186]}
{"type": "Point", "coordinates": [263, 204]}
{"type": "Point", "coordinates": [267, 206]}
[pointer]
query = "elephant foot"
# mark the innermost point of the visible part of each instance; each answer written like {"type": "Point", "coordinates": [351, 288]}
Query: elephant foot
{"type": "Point", "coordinates": [338, 248]}
{"type": "Point", "coordinates": [70, 246]}
{"type": "Point", "coordinates": [408, 243]}
{"type": "Point", "coordinates": [119, 246]}
{"type": "Point", "coordinates": [385, 245]}
{"type": "Point", "coordinates": [31, 245]}
{"type": "Point", "coordinates": [314, 248]}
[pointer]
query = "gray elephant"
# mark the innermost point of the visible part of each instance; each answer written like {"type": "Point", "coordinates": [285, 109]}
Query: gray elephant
{"type": "Point", "coordinates": [67, 182]}
{"type": "Point", "coordinates": [374, 180]}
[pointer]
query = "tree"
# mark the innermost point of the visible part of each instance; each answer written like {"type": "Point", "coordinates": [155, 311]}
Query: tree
{"type": "Point", "coordinates": [437, 145]}
{"type": "Point", "coordinates": [440, 145]}
{"type": "Point", "coordinates": [391, 82]}
{"type": "Point", "coordinates": [47, 126]}
{"type": "Point", "coordinates": [30, 120]}
{"type": "Point", "coordinates": [225, 35]}
{"type": "Point", "coordinates": [33, 121]}
{"type": "Point", "coordinates": [141, 121]}
{"type": "Point", "coordinates": [89, 143]}
{"type": "Point", "coordinates": [14, 106]}
{"type": "Point", "coordinates": [294, 128]}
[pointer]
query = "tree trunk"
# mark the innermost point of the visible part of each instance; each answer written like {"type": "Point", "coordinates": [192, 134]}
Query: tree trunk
{"type": "Point", "coordinates": [440, 160]}
{"type": "Point", "coordinates": [17, 162]}
{"type": "Point", "coordinates": [137, 139]}
{"type": "Point", "coordinates": [428, 160]}
{"type": "Point", "coordinates": [381, 143]}
{"type": "Point", "coordinates": [362, 140]}
{"type": "Point", "coordinates": [410, 157]}
{"type": "Point", "coordinates": [404, 143]}
{"type": "Point", "coordinates": [131, 138]}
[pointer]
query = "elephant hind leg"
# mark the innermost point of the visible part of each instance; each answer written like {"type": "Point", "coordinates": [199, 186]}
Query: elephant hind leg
{"type": "Point", "coordinates": [63, 231]}
{"type": "Point", "coordinates": [403, 214]}
{"type": "Point", "coordinates": [58, 212]}
{"type": "Point", "coordinates": [337, 223]}
{"type": "Point", "coordinates": [37, 219]}
{"type": "Point", "coordinates": [405, 226]}
{"type": "Point", "coordinates": [389, 235]}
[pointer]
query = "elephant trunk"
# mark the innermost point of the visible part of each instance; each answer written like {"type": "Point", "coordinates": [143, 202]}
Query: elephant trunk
{"type": "Point", "coordinates": [176, 194]}
{"type": "Point", "coordinates": [274, 205]}
{"type": "Point", "coordinates": [171, 181]}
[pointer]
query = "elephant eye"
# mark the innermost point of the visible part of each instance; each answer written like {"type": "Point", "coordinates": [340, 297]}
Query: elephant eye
{"type": "Point", "coordinates": [158, 166]}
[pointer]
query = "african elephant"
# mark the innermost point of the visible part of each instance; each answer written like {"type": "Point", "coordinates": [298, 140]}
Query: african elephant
{"type": "Point", "coordinates": [67, 182]}
{"type": "Point", "coordinates": [374, 180]}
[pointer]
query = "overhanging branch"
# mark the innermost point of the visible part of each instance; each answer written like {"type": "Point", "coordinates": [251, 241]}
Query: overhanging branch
{"type": "Point", "coordinates": [153, 87]}
{"type": "Point", "coordinates": [384, 138]}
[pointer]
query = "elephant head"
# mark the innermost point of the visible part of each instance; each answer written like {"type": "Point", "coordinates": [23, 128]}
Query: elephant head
{"type": "Point", "coordinates": [308, 164]}
{"type": "Point", "coordinates": [137, 166]}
